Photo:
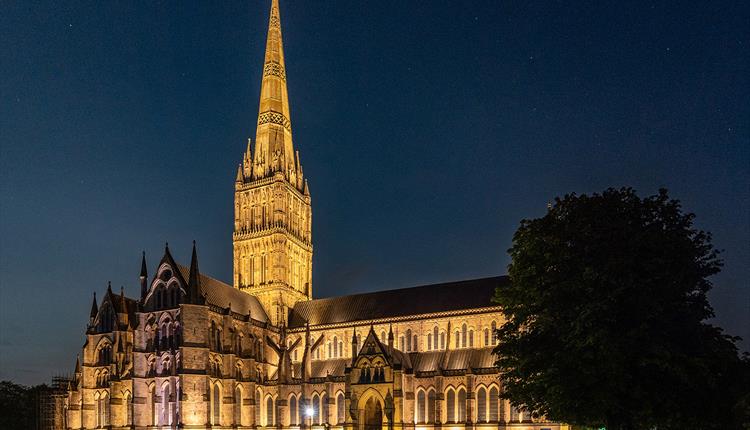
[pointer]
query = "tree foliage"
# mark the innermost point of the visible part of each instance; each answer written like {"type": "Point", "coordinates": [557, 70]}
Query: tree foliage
{"type": "Point", "coordinates": [17, 406]}
{"type": "Point", "coordinates": [606, 318]}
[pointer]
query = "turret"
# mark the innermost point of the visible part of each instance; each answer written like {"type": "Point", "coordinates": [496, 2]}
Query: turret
{"type": "Point", "coordinates": [122, 314]}
{"type": "Point", "coordinates": [247, 160]}
{"type": "Point", "coordinates": [240, 175]}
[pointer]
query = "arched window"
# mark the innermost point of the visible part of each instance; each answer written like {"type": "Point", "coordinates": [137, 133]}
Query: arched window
{"type": "Point", "coordinates": [164, 341]}
{"type": "Point", "coordinates": [293, 410]}
{"type": "Point", "coordinates": [408, 339]}
{"type": "Point", "coordinates": [107, 408]}
{"type": "Point", "coordinates": [154, 411]}
{"type": "Point", "coordinates": [421, 405]}
{"type": "Point", "coordinates": [415, 344]}
{"type": "Point", "coordinates": [442, 340]}
{"type": "Point", "coordinates": [450, 405]}
{"type": "Point", "coordinates": [481, 405]}
{"type": "Point", "coordinates": [435, 336]}
{"type": "Point", "coordinates": [330, 353]}
{"type": "Point", "coordinates": [340, 409]}
{"type": "Point", "coordinates": [431, 406]}
{"type": "Point", "coordinates": [216, 406]}
{"type": "Point", "coordinates": [494, 333]}
{"type": "Point", "coordinates": [335, 347]}
{"type": "Point", "coordinates": [493, 404]}
{"type": "Point", "coordinates": [176, 405]}
{"type": "Point", "coordinates": [461, 405]}
{"type": "Point", "coordinates": [270, 415]}
{"type": "Point", "coordinates": [237, 405]}
{"type": "Point", "coordinates": [486, 337]}
{"type": "Point", "coordinates": [458, 339]}
{"type": "Point", "coordinates": [99, 407]}
{"type": "Point", "coordinates": [212, 339]}
{"type": "Point", "coordinates": [429, 341]}
{"type": "Point", "coordinates": [382, 336]}
{"type": "Point", "coordinates": [341, 349]}
{"type": "Point", "coordinates": [324, 408]}
{"type": "Point", "coordinates": [463, 335]}
{"type": "Point", "coordinates": [165, 405]}
{"type": "Point", "coordinates": [301, 412]}
{"type": "Point", "coordinates": [471, 338]}
{"type": "Point", "coordinates": [256, 407]}
{"type": "Point", "coordinates": [316, 409]}
{"type": "Point", "coordinates": [129, 403]}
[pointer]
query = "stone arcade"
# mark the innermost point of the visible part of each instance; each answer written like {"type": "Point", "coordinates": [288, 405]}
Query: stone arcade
{"type": "Point", "coordinates": [193, 352]}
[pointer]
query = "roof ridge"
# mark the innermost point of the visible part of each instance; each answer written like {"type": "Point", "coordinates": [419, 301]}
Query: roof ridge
{"type": "Point", "coordinates": [485, 278]}
{"type": "Point", "coordinates": [203, 275]}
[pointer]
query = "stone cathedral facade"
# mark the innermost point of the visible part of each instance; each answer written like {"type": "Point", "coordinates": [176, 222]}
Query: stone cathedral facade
{"type": "Point", "coordinates": [193, 352]}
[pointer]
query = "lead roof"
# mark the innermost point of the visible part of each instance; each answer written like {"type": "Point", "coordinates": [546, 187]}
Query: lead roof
{"type": "Point", "coordinates": [425, 299]}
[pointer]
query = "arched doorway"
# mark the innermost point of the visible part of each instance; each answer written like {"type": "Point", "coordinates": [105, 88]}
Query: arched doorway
{"type": "Point", "coordinates": [373, 415]}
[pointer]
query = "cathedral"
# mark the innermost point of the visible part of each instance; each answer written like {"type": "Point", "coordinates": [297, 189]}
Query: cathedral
{"type": "Point", "coordinates": [260, 352]}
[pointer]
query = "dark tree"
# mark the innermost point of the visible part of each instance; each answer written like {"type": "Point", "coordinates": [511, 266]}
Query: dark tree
{"type": "Point", "coordinates": [606, 318]}
{"type": "Point", "coordinates": [17, 406]}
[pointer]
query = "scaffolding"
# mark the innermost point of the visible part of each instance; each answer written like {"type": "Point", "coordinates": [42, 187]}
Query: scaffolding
{"type": "Point", "coordinates": [50, 404]}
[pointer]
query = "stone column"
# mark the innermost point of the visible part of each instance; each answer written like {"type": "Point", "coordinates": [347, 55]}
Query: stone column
{"type": "Point", "coordinates": [470, 400]}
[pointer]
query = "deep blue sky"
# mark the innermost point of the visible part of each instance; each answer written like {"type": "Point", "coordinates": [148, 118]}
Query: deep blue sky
{"type": "Point", "coordinates": [427, 131]}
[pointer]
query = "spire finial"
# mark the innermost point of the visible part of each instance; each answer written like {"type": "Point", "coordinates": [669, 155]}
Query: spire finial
{"type": "Point", "coordinates": [194, 289]}
{"type": "Point", "coordinates": [144, 270]}
{"type": "Point", "coordinates": [240, 175]}
{"type": "Point", "coordinates": [143, 276]}
{"type": "Point", "coordinates": [94, 308]}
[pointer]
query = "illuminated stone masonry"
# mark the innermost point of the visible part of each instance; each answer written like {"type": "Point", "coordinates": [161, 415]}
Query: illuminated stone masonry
{"type": "Point", "coordinates": [193, 352]}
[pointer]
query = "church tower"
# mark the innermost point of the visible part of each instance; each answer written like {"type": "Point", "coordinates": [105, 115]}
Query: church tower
{"type": "Point", "coordinates": [272, 237]}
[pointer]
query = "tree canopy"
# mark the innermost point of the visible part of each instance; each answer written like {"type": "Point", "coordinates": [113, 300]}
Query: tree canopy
{"type": "Point", "coordinates": [17, 406]}
{"type": "Point", "coordinates": [606, 318]}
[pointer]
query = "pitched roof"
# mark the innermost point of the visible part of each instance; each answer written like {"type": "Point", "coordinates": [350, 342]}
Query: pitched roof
{"type": "Point", "coordinates": [223, 295]}
{"type": "Point", "coordinates": [426, 299]}
{"type": "Point", "coordinates": [455, 359]}
{"type": "Point", "coordinates": [418, 362]}
{"type": "Point", "coordinates": [323, 368]}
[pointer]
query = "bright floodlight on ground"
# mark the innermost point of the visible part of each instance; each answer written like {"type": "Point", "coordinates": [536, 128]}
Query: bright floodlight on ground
{"type": "Point", "coordinates": [309, 412]}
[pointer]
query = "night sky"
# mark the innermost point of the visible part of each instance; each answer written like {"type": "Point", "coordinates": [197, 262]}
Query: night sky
{"type": "Point", "coordinates": [427, 130]}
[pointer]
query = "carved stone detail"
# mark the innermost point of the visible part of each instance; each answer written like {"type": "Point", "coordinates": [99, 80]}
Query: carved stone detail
{"type": "Point", "coordinates": [275, 118]}
{"type": "Point", "coordinates": [273, 68]}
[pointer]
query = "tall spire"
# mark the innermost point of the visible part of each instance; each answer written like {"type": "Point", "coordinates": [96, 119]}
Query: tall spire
{"type": "Point", "coordinates": [275, 234]}
{"type": "Point", "coordinates": [274, 151]}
